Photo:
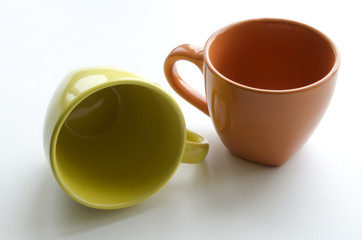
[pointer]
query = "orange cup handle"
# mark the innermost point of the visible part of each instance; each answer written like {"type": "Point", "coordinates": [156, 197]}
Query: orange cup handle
{"type": "Point", "coordinates": [192, 54]}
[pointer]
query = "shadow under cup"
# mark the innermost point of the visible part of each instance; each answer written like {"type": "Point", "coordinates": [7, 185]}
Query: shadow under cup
{"type": "Point", "coordinates": [111, 151]}
{"type": "Point", "coordinates": [272, 55]}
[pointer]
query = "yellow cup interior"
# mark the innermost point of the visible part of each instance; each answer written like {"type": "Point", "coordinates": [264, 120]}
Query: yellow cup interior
{"type": "Point", "coordinates": [119, 145]}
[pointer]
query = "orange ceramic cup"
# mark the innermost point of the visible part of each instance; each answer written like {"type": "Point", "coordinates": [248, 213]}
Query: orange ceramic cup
{"type": "Point", "coordinates": [268, 83]}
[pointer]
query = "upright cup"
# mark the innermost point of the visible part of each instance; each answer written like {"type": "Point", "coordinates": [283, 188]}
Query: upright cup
{"type": "Point", "coordinates": [113, 139]}
{"type": "Point", "coordinates": [268, 83]}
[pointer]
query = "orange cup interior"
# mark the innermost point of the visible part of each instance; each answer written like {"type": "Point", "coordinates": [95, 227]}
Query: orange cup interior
{"type": "Point", "coordinates": [271, 54]}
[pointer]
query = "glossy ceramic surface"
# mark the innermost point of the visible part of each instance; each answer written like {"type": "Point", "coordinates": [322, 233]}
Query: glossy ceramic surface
{"type": "Point", "coordinates": [113, 139]}
{"type": "Point", "coordinates": [268, 83]}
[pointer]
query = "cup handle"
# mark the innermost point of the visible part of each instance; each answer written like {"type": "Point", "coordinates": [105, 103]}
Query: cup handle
{"type": "Point", "coordinates": [196, 148]}
{"type": "Point", "coordinates": [192, 54]}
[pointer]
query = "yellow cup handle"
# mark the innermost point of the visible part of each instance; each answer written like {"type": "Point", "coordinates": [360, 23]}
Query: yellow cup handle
{"type": "Point", "coordinates": [196, 148]}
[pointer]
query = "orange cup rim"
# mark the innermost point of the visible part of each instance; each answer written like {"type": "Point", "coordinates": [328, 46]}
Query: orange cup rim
{"type": "Point", "coordinates": [329, 75]}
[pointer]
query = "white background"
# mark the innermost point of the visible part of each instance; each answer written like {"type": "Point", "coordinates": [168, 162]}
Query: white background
{"type": "Point", "coordinates": [316, 195]}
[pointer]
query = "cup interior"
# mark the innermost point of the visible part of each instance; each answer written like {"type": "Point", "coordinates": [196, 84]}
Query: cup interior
{"type": "Point", "coordinates": [119, 145]}
{"type": "Point", "coordinates": [271, 54]}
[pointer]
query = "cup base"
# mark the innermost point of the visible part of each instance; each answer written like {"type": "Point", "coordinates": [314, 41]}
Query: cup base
{"type": "Point", "coordinates": [269, 163]}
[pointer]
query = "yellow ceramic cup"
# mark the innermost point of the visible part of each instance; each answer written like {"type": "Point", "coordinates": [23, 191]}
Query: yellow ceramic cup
{"type": "Point", "coordinates": [113, 139]}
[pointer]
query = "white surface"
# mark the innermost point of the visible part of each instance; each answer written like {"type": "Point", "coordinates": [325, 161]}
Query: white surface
{"type": "Point", "coordinates": [316, 195]}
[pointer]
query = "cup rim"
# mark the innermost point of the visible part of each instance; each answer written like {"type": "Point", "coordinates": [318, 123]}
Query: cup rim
{"type": "Point", "coordinates": [62, 118]}
{"type": "Point", "coordinates": [329, 75]}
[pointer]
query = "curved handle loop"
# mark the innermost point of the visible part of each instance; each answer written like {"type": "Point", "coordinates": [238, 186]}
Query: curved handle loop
{"type": "Point", "coordinates": [192, 54]}
{"type": "Point", "coordinates": [196, 148]}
